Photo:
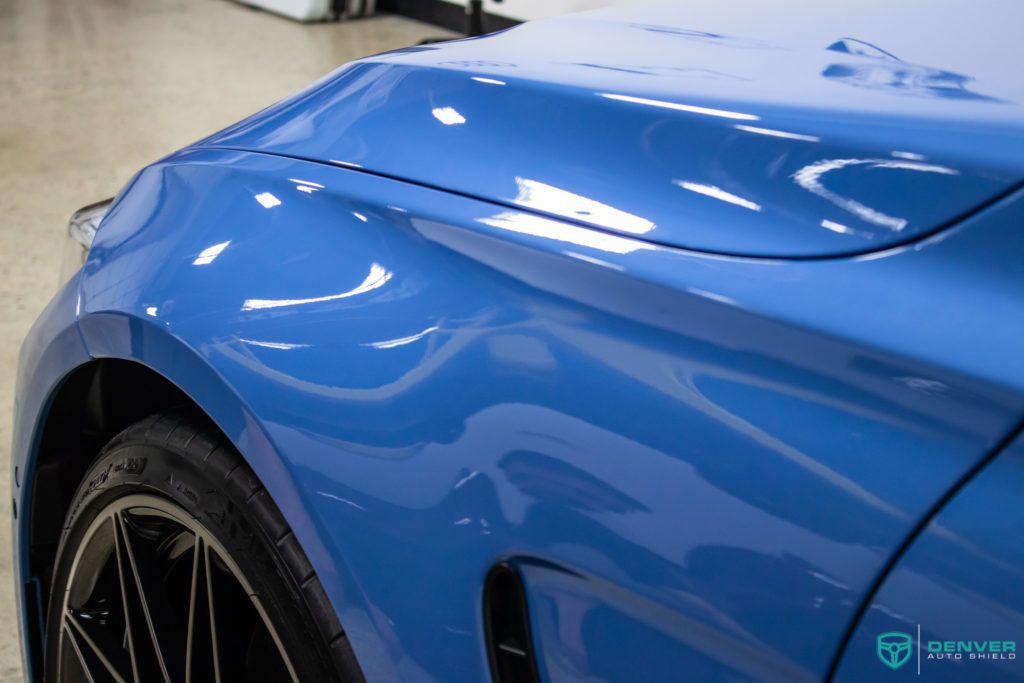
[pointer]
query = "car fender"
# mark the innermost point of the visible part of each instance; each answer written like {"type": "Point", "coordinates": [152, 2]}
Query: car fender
{"type": "Point", "coordinates": [450, 383]}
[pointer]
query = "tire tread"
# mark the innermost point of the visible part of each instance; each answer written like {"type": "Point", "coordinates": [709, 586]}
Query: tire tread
{"type": "Point", "coordinates": [194, 436]}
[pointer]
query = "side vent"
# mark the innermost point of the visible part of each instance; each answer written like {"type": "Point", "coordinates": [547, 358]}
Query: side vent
{"type": "Point", "coordinates": [507, 624]}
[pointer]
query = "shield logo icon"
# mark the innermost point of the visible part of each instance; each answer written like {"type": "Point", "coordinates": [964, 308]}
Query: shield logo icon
{"type": "Point", "coordinates": [893, 648]}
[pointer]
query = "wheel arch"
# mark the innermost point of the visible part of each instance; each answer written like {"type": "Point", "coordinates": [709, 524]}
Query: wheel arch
{"type": "Point", "coordinates": [97, 400]}
{"type": "Point", "coordinates": [89, 408]}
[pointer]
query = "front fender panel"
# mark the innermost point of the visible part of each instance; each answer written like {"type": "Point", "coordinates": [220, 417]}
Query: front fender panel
{"type": "Point", "coordinates": [956, 591]}
{"type": "Point", "coordinates": [52, 349]}
{"type": "Point", "coordinates": [448, 383]}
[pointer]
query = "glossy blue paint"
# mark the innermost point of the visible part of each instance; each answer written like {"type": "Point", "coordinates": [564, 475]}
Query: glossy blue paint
{"type": "Point", "coordinates": [51, 350]}
{"type": "Point", "coordinates": [959, 581]}
{"type": "Point", "coordinates": [705, 460]}
{"type": "Point", "coordinates": [743, 130]}
{"type": "Point", "coordinates": [431, 383]}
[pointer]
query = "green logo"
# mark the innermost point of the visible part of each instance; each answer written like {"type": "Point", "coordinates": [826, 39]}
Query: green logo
{"type": "Point", "coordinates": [893, 648]}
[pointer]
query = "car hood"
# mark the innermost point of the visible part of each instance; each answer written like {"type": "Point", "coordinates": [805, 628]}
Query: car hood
{"type": "Point", "coordinates": [744, 128]}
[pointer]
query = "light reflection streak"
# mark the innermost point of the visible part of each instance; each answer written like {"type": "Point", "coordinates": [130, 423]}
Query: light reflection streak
{"type": "Point", "coordinates": [542, 227]}
{"type": "Point", "coordinates": [268, 200]}
{"type": "Point", "coordinates": [448, 116]}
{"type": "Point", "coordinates": [402, 341]}
{"type": "Point", "coordinates": [544, 197]}
{"type": "Point", "coordinates": [210, 253]}
{"type": "Point", "coordinates": [705, 294]}
{"type": "Point", "coordinates": [776, 133]}
{"type": "Point", "coordinates": [836, 227]}
{"type": "Point", "coordinates": [346, 501]}
{"type": "Point", "coordinates": [377, 277]}
{"type": "Point", "coordinates": [595, 261]}
{"type": "Point", "coordinates": [690, 108]}
{"type": "Point", "coordinates": [809, 178]}
{"type": "Point", "coordinates": [466, 479]}
{"type": "Point", "coordinates": [912, 156]}
{"type": "Point", "coordinates": [282, 346]}
{"type": "Point", "coordinates": [492, 81]}
{"type": "Point", "coordinates": [717, 193]}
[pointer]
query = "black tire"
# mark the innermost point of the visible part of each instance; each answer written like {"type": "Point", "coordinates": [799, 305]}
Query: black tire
{"type": "Point", "coordinates": [192, 477]}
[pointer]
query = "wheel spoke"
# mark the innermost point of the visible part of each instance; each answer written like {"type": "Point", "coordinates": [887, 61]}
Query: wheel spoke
{"type": "Point", "coordinates": [68, 634]}
{"type": "Point", "coordinates": [125, 601]}
{"type": "Point", "coordinates": [147, 587]}
{"type": "Point", "coordinates": [190, 635]}
{"type": "Point", "coordinates": [73, 625]}
{"type": "Point", "coordinates": [201, 649]}
{"type": "Point", "coordinates": [147, 663]}
{"type": "Point", "coordinates": [153, 602]}
{"type": "Point", "coordinates": [213, 614]}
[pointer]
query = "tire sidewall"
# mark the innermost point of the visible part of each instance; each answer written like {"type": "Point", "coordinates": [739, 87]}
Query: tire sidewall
{"type": "Point", "coordinates": [129, 468]}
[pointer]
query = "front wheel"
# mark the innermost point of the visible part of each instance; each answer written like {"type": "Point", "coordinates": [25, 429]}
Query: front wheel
{"type": "Point", "coordinates": [175, 565]}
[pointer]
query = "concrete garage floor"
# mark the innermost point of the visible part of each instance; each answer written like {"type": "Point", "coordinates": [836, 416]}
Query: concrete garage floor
{"type": "Point", "coordinates": [90, 91]}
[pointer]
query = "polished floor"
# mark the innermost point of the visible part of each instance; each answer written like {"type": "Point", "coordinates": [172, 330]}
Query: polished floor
{"type": "Point", "coordinates": [91, 90]}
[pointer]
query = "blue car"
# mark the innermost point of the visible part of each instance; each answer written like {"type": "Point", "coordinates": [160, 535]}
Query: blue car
{"type": "Point", "coordinates": [659, 343]}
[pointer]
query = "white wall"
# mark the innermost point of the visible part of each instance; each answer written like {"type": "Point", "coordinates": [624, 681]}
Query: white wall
{"type": "Point", "coordinates": [300, 10]}
{"type": "Point", "coordinates": [538, 9]}
{"type": "Point", "coordinates": [313, 10]}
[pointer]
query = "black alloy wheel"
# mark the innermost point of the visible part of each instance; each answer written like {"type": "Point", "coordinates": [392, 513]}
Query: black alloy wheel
{"type": "Point", "coordinates": [176, 566]}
